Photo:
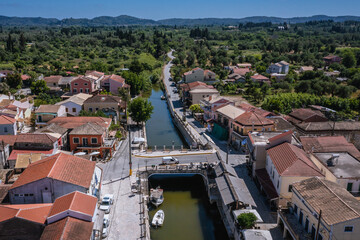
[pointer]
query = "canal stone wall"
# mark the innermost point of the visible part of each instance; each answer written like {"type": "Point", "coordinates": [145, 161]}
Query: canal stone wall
{"type": "Point", "coordinates": [191, 136]}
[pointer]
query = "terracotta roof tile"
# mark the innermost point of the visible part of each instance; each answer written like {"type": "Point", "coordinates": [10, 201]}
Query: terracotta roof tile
{"type": "Point", "coordinates": [6, 120]}
{"type": "Point", "coordinates": [259, 111]}
{"type": "Point", "coordinates": [103, 98]}
{"type": "Point", "coordinates": [53, 79]}
{"type": "Point", "coordinates": [32, 212]}
{"type": "Point", "coordinates": [304, 114]}
{"type": "Point", "coordinates": [290, 160]}
{"type": "Point", "coordinates": [48, 109]}
{"type": "Point", "coordinates": [88, 129]}
{"type": "Point", "coordinates": [8, 139]}
{"type": "Point", "coordinates": [259, 77]}
{"type": "Point", "coordinates": [250, 118]}
{"type": "Point", "coordinates": [73, 122]}
{"type": "Point", "coordinates": [75, 201]}
{"type": "Point", "coordinates": [62, 167]}
{"type": "Point", "coordinates": [329, 144]}
{"type": "Point", "coordinates": [68, 229]}
{"type": "Point", "coordinates": [15, 152]}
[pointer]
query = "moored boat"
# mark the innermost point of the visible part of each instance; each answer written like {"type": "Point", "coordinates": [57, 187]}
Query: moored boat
{"type": "Point", "coordinates": [163, 97]}
{"type": "Point", "coordinates": [156, 196]}
{"type": "Point", "coordinates": [158, 219]}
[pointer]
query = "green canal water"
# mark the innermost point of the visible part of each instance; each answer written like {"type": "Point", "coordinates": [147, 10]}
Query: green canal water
{"type": "Point", "coordinates": [188, 214]}
{"type": "Point", "coordinates": [160, 129]}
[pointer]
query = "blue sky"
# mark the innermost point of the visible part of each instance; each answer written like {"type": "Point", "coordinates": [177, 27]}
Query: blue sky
{"type": "Point", "coordinates": [161, 9]}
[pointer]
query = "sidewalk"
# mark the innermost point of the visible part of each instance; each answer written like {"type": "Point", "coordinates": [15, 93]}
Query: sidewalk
{"type": "Point", "coordinates": [125, 213]}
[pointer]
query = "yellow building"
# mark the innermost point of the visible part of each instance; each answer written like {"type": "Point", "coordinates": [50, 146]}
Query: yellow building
{"type": "Point", "coordinates": [340, 212]}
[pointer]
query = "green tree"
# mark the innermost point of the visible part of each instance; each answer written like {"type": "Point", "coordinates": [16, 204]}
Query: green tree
{"type": "Point", "coordinates": [39, 87]}
{"type": "Point", "coordinates": [22, 42]}
{"type": "Point", "coordinates": [98, 113]}
{"type": "Point", "coordinates": [195, 108]}
{"type": "Point", "coordinates": [246, 220]}
{"type": "Point", "coordinates": [14, 80]}
{"type": "Point", "coordinates": [136, 66]}
{"type": "Point", "coordinates": [19, 64]}
{"type": "Point", "coordinates": [4, 88]}
{"type": "Point", "coordinates": [140, 110]}
{"type": "Point", "coordinates": [349, 59]}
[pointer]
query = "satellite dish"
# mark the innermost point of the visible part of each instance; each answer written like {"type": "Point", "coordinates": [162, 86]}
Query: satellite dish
{"type": "Point", "coordinates": [80, 154]}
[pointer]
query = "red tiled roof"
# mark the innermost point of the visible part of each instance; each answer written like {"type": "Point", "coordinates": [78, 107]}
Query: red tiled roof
{"type": "Point", "coordinates": [259, 77]}
{"type": "Point", "coordinates": [305, 113]}
{"type": "Point", "coordinates": [117, 78]}
{"type": "Point", "coordinates": [32, 212]}
{"type": "Point", "coordinates": [75, 201]}
{"type": "Point", "coordinates": [280, 136]}
{"type": "Point", "coordinates": [6, 120]}
{"type": "Point", "coordinates": [192, 85]}
{"type": "Point", "coordinates": [53, 79]}
{"type": "Point", "coordinates": [73, 122]}
{"type": "Point", "coordinates": [266, 183]}
{"type": "Point", "coordinates": [62, 167]}
{"type": "Point", "coordinates": [290, 160]}
{"type": "Point", "coordinates": [25, 77]}
{"type": "Point", "coordinates": [68, 229]}
{"type": "Point", "coordinates": [8, 139]}
{"type": "Point", "coordinates": [43, 138]}
{"type": "Point", "coordinates": [259, 111]}
{"type": "Point", "coordinates": [15, 152]}
{"type": "Point", "coordinates": [250, 118]}
{"type": "Point", "coordinates": [329, 144]}
{"type": "Point", "coordinates": [241, 71]}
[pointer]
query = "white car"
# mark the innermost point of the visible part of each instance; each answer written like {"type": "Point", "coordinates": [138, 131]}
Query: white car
{"type": "Point", "coordinates": [106, 202]}
{"type": "Point", "coordinates": [106, 223]}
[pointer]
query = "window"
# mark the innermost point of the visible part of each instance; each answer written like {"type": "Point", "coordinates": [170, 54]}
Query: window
{"type": "Point", "coordinates": [66, 109]}
{"type": "Point", "coordinates": [81, 90]}
{"type": "Point", "coordinates": [75, 90]}
{"type": "Point", "coordinates": [278, 183]}
{"type": "Point", "coordinates": [5, 129]}
{"type": "Point", "coordinates": [76, 140]}
{"type": "Point", "coordinates": [290, 188]}
{"type": "Point", "coordinates": [85, 84]}
{"type": "Point", "coordinates": [86, 90]}
{"type": "Point", "coordinates": [75, 84]}
{"type": "Point", "coordinates": [16, 195]}
{"type": "Point", "coordinates": [90, 109]}
{"type": "Point", "coordinates": [54, 84]}
{"type": "Point", "coordinates": [348, 228]}
{"type": "Point", "coordinates": [349, 186]}
{"type": "Point", "coordinates": [295, 209]}
{"type": "Point", "coordinates": [273, 174]}
{"type": "Point", "coordinates": [74, 109]}
{"type": "Point", "coordinates": [93, 140]}
{"type": "Point", "coordinates": [96, 109]}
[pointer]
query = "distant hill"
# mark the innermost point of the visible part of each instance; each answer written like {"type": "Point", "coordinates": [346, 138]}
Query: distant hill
{"type": "Point", "coordinates": [125, 20]}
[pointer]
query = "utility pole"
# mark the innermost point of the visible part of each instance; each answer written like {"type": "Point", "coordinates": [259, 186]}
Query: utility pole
{"type": "Point", "coordinates": [318, 226]}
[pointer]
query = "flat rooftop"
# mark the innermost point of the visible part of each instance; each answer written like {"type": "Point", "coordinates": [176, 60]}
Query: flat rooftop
{"type": "Point", "coordinates": [263, 137]}
{"type": "Point", "coordinates": [344, 165]}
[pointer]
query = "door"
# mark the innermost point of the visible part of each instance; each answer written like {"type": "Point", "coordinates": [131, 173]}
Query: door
{"type": "Point", "coordinates": [46, 196]}
{"type": "Point", "coordinates": [307, 225]}
{"type": "Point", "coordinates": [85, 142]}
{"type": "Point", "coordinates": [313, 232]}
{"type": "Point", "coordinates": [301, 217]}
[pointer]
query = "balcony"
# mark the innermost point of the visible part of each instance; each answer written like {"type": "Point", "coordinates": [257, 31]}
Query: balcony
{"type": "Point", "coordinates": [292, 225]}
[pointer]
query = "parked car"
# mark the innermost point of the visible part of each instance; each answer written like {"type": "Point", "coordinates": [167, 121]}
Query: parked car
{"type": "Point", "coordinates": [169, 160]}
{"type": "Point", "coordinates": [172, 84]}
{"type": "Point", "coordinates": [170, 79]}
{"type": "Point", "coordinates": [106, 202]}
{"type": "Point", "coordinates": [106, 223]}
{"type": "Point", "coordinates": [175, 90]}
{"type": "Point", "coordinates": [104, 233]}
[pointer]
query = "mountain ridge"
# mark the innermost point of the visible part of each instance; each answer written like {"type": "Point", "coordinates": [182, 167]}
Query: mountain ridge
{"type": "Point", "coordinates": [125, 20]}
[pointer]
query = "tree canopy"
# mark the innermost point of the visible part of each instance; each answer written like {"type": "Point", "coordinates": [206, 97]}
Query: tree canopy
{"type": "Point", "coordinates": [140, 110]}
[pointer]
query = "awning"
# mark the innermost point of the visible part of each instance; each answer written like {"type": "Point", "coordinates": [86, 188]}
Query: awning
{"type": "Point", "coordinates": [266, 183]}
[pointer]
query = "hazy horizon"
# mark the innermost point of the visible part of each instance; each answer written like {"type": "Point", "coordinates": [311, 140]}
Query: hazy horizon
{"type": "Point", "coordinates": [160, 9]}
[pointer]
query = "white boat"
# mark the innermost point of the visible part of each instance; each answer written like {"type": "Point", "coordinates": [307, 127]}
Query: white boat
{"type": "Point", "coordinates": [158, 219]}
{"type": "Point", "coordinates": [156, 196]}
{"type": "Point", "coordinates": [163, 97]}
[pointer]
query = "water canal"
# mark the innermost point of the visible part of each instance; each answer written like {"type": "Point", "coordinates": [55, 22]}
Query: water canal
{"type": "Point", "coordinates": [188, 214]}
{"type": "Point", "coordinates": [160, 129]}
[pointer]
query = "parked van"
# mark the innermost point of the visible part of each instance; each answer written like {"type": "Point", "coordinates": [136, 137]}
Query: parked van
{"type": "Point", "coordinates": [169, 160]}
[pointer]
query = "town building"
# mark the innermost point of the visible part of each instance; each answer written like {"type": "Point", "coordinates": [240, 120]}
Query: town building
{"type": "Point", "coordinates": [210, 104]}
{"type": "Point", "coordinates": [350, 130]}
{"type": "Point", "coordinates": [25, 221]}
{"type": "Point", "coordinates": [89, 83]}
{"type": "Point", "coordinates": [306, 68]}
{"type": "Point", "coordinates": [330, 59]}
{"type": "Point", "coordinates": [285, 165]}
{"type": "Point", "coordinates": [111, 106]}
{"type": "Point", "coordinates": [112, 83]}
{"type": "Point", "coordinates": [260, 79]}
{"type": "Point", "coordinates": [320, 207]}
{"type": "Point", "coordinates": [304, 115]}
{"type": "Point", "coordinates": [53, 81]}
{"type": "Point", "coordinates": [223, 125]}
{"type": "Point", "coordinates": [91, 137]}
{"type": "Point", "coordinates": [186, 97]}
{"type": "Point", "coordinates": [47, 112]}
{"type": "Point", "coordinates": [7, 125]}
{"type": "Point", "coordinates": [280, 67]}
{"type": "Point", "coordinates": [74, 104]}
{"type": "Point", "coordinates": [54, 176]}
{"type": "Point", "coordinates": [198, 74]}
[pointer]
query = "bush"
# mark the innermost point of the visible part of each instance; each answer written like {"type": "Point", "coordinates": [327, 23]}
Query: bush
{"type": "Point", "coordinates": [246, 220]}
